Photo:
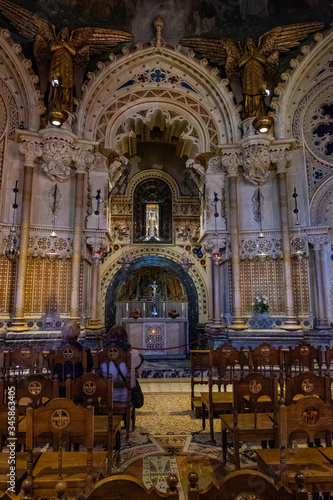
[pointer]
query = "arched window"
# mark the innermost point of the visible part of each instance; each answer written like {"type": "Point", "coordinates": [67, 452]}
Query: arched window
{"type": "Point", "coordinates": [152, 212]}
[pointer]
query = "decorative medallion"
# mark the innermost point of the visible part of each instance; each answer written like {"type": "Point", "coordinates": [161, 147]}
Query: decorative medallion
{"type": "Point", "coordinates": [113, 353]}
{"type": "Point", "coordinates": [60, 419]}
{"type": "Point", "coordinates": [35, 388]}
{"type": "Point", "coordinates": [265, 351]}
{"type": "Point", "coordinates": [307, 385]}
{"type": "Point", "coordinates": [68, 353]}
{"type": "Point", "coordinates": [304, 350]}
{"type": "Point", "coordinates": [226, 352]}
{"type": "Point", "coordinates": [89, 387]}
{"type": "Point", "coordinates": [255, 386]}
{"type": "Point", "coordinates": [25, 352]}
{"type": "Point", "coordinates": [310, 415]}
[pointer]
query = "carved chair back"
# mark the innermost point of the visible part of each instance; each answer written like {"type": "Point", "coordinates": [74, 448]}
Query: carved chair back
{"type": "Point", "coordinates": [242, 484]}
{"type": "Point", "coordinates": [308, 384]}
{"type": "Point", "coordinates": [68, 361]}
{"type": "Point", "coordinates": [129, 487]}
{"type": "Point", "coordinates": [266, 359]}
{"type": "Point", "coordinates": [303, 357]}
{"type": "Point", "coordinates": [65, 420]}
{"type": "Point", "coordinates": [24, 360]}
{"type": "Point", "coordinates": [90, 387]}
{"type": "Point", "coordinates": [35, 388]}
{"type": "Point", "coordinates": [254, 393]}
{"type": "Point", "coordinates": [309, 415]}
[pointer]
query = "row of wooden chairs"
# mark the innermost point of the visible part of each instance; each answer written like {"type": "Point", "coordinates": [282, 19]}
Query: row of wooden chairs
{"type": "Point", "coordinates": [248, 483]}
{"type": "Point", "coordinates": [223, 363]}
{"type": "Point", "coordinates": [244, 397]}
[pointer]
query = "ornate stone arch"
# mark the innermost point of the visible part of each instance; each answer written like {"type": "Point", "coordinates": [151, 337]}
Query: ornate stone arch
{"type": "Point", "coordinates": [311, 67]}
{"type": "Point", "coordinates": [321, 208]}
{"type": "Point", "coordinates": [111, 266]}
{"type": "Point", "coordinates": [18, 85]}
{"type": "Point", "coordinates": [171, 79]}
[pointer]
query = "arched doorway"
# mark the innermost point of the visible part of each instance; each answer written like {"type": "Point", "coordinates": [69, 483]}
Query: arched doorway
{"type": "Point", "coordinates": [162, 263]}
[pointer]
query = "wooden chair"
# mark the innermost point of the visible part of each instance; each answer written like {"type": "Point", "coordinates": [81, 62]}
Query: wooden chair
{"type": "Point", "coordinates": [307, 417]}
{"type": "Point", "coordinates": [244, 484]}
{"type": "Point", "coordinates": [329, 357]}
{"type": "Point", "coordinates": [128, 487]}
{"type": "Point", "coordinates": [222, 365]}
{"type": "Point", "coordinates": [92, 389]}
{"type": "Point", "coordinates": [35, 388]}
{"type": "Point", "coordinates": [117, 363]}
{"type": "Point", "coordinates": [266, 359]}
{"type": "Point", "coordinates": [67, 361]}
{"type": "Point", "coordinates": [68, 423]}
{"type": "Point", "coordinates": [258, 396]}
{"type": "Point", "coordinates": [308, 384]}
{"type": "Point", "coordinates": [199, 376]}
{"type": "Point", "coordinates": [8, 431]}
{"type": "Point", "coordinates": [25, 494]}
{"type": "Point", "coordinates": [23, 360]}
{"type": "Point", "coordinates": [303, 357]}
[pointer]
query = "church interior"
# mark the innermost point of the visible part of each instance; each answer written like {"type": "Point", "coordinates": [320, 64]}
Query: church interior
{"type": "Point", "coordinates": [166, 167]}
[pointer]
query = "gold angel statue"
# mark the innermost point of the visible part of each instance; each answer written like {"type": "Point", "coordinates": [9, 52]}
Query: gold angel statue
{"type": "Point", "coordinates": [62, 58]}
{"type": "Point", "coordinates": [255, 65]}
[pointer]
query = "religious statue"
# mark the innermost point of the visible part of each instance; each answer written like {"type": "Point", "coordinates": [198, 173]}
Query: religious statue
{"type": "Point", "coordinates": [61, 59]}
{"type": "Point", "coordinates": [255, 65]}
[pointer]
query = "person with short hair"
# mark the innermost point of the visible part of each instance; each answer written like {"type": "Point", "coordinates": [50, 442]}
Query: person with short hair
{"type": "Point", "coordinates": [70, 333]}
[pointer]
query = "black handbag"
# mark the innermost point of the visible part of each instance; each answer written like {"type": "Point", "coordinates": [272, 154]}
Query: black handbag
{"type": "Point", "coordinates": [137, 395]}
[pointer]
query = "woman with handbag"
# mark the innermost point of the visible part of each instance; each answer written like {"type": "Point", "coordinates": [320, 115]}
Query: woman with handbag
{"type": "Point", "coordinates": [117, 336]}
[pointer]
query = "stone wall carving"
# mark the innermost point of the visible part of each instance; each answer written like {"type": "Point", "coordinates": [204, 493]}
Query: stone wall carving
{"type": "Point", "coordinates": [7, 283]}
{"type": "Point", "coordinates": [321, 206]}
{"type": "Point", "coordinates": [13, 118]}
{"type": "Point", "coordinates": [167, 252]}
{"type": "Point", "coordinates": [57, 159]}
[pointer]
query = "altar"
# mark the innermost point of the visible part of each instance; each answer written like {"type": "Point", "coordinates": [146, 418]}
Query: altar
{"type": "Point", "coordinates": [157, 336]}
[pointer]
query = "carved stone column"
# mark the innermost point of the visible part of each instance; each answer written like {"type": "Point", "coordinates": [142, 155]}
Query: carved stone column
{"type": "Point", "coordinates": [97, 244]}
{"type": "Point", "coordinates": [82, 158]}
{"type": "Point", "coordinates": [232, 163]}
{"type": "Point", "coordinates": [281, 157]}
{"type": "Point", "coordinates": [318, 241]}
{"type": "Point", "coordinates": [31, 150]}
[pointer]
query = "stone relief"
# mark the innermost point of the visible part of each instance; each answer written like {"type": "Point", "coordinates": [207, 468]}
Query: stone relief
{"type": "Point", "coordinates": [256, 163]}
{"type": "Point", "coordinates": [57, 159]}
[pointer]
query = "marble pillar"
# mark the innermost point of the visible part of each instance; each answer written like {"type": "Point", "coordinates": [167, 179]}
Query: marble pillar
{"type": "Point", "coordinates": [291, 322]}
{"type": "Point", "coordinates": [77, 242]}
{"type": "Point", "coordinates": [97, 244]}
{"type": "Point", "coordinates": [318, 241]}
{"type": "Point", "coordinates": [31, 150]}
{"type": "Point", "coordinates": [238, 322]}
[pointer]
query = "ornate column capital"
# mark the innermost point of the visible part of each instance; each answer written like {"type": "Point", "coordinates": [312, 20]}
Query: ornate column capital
{"type": "Point", "coordinates": [281, 157]}
{"type": "Point", "coordinates": [30, 150]}
{"type": "Point", "coordinates": [97, 243]}
{"type": "Point", "coordinates": [82, 157]}
{"type": "Point", "coordinates": [256, 162]}
{"type": "Point", "coordinates": [317, 240]}
{"type": "Point", "coordinates": [232, 161]}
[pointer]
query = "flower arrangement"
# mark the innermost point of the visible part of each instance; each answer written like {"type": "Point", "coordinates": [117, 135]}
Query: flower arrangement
{"type": "Point", "coordinates": [173, 313]}
{"type": "Point", "coordinates": [261, 304]}
{"type": "Point", "coordinates": [135, 314]}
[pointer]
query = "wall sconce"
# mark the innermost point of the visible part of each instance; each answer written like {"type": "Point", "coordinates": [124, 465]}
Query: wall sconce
{"type": "Point", "coordinates": [57, 116]}
{"type": "Point", "coordinates": [185, 260]}
{"type": "Point", "coordinates": [263, 123]}
{"type": "Point", "coordinates": [12, 249]}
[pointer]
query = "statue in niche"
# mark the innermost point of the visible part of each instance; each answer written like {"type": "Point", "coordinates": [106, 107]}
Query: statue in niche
{"type": "Point", "coordinates": [61, 58]}
{"type": "Point", "coordinates": [255, 65]}
{"type": "Point", "coordinates": [152, 221]}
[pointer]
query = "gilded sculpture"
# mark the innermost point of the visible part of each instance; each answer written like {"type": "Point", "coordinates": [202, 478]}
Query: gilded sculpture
{"type": "Point", "coordinates": [255, 65]}
{"type": "Point", "coordinates": [61, 59]}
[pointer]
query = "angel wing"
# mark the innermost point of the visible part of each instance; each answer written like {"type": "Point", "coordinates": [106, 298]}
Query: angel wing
{"type": "Point", "coordinates": [88, 41]}
{"type": "Point", "coordinates": [39, 31]}
{"type": "Point", "coordinates": [225, 52]}
{"type": "Point", "coordinates": [282, 39]}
